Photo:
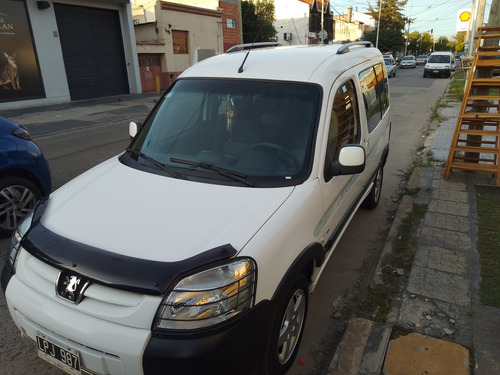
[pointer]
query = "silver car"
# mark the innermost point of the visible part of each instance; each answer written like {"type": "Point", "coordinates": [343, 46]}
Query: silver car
{"type": "Point", "coordinates": [408, 62]}
{"type": "Point", "coordinates": [390, 66]}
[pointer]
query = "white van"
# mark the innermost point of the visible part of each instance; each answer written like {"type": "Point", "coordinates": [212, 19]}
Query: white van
{"type": "Point", "coordinates": [195, 250]}
{"type": "Point", "coordinates": [440, 64]}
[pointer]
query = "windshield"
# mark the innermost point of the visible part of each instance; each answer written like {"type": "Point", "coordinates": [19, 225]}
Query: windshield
{"type": "Point", "coordinates": [408, 58]}
{"type": "Point", "coordinates": [228, 131]}
{"type": "Point", "coordinates": [439, 59]}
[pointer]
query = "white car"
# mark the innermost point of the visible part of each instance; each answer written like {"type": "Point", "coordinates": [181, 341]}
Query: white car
{"type": "Point", "coordinates": [408, 62]}
{"type": "Point", "coordinates": [440, 64]}
{"type": "Point", "coordinates": [195, 250]}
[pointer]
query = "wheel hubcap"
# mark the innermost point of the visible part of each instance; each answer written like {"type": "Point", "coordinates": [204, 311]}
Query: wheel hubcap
{"type": "Point", "coordinates": [15, 202]}
{"type": "Point", "coordinates": [291, 327]}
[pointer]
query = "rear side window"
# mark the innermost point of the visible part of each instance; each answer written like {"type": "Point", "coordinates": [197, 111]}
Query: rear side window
{"type": "Point", "coordinates": [375, 94]}
{"type": "Point", "coordinates": [344, 122]}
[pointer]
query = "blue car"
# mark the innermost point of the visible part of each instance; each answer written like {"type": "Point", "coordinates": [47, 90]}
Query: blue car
{"type": "Point", "coordinates": [24, 175]}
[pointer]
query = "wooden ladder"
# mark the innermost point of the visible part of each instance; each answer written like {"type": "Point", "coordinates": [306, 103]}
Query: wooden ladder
{"type": "Point", "coordinates": [475, 143]}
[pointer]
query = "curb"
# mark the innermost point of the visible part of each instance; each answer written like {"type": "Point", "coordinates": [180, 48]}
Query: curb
{"type": "Point", "coordinates": [362, 349]}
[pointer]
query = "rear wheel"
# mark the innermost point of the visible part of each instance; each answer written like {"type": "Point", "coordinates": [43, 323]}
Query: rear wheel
{"type": "Point", "coordinates": [372, 199]}
{"type": "Point", "coordinates": [286, 329]}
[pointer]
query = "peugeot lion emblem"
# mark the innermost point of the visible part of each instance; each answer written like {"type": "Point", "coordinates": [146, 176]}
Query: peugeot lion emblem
{"type": "Point", "coordinates": [71, 287]}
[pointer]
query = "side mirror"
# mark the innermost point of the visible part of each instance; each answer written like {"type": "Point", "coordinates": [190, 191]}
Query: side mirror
{"type": "Point", "coordinates": [133, 128]}
{"type": "Point", "coordinates": [351, 160]}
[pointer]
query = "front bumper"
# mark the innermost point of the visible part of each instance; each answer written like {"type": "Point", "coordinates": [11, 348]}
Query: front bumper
{"type": "Point", "coordinates": [107, 347]}
{"type": "Point", "coordinates": [437, 72]}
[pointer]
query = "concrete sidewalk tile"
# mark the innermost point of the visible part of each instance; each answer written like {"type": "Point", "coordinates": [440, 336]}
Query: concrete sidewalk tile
{"type": "Point", "coordinates": [454, 240]}
{"type": "Point", "coordinates": [442, 259]}
{"type": "Point", "coordinates": [416, 354]}
{"type": "Point", "coordinates": [440, 285]}
{"type": "Point", "coordinates": [448, 222]}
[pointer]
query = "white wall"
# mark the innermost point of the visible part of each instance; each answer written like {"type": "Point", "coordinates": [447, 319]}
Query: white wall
{"type": "Point", "coordinates": [292, 17]}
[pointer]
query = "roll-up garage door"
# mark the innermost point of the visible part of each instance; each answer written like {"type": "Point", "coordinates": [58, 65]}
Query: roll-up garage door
{"type": "Point", "coordinates": [92, 47]}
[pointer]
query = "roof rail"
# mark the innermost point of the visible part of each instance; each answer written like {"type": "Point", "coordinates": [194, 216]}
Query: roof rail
{"type": "Point", "coordinates": [348, 47]}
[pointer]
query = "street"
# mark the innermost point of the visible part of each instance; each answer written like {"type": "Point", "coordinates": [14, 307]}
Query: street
{"type": "Point", "coordinates": [349, 271]}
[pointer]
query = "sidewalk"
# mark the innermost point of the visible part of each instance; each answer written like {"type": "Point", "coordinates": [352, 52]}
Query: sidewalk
{"type": "Point", "coordinates": [66, 116]}
{"type": "Point", "coordinates": [440, 304]}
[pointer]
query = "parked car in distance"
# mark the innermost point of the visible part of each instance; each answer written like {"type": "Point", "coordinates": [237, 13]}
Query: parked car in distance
{"type": "Point", "coordinates": [407, 62]}
{"type": "Point", "coordinates": [390, 65]}
{"type": "Point", "coordinates": [195, 250]}
{"type": "Point", "coordinates": [24, 175]}
{"type": "Point", "coordinates": [440, 64]}
{"type": "Point", "coordinates": [421, 59]}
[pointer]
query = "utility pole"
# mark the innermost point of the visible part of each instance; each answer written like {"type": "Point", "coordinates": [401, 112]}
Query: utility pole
{"type": "Point", "coordinates": [378, 23]}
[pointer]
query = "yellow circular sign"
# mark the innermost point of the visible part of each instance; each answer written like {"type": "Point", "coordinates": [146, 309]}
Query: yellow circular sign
{"type": "Point", "coordinates": [464, 16]}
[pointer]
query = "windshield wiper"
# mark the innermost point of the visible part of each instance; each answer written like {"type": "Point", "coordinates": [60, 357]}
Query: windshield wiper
{"type": "Point", "coordinates": [235, 176]}
{"type": "Point", "coordinates": [161, 166]}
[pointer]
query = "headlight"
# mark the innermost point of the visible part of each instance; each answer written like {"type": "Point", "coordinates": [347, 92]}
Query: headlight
{"type": "Point", "coordinates": [15, 240]}
{"type": "Point", "coordinates": [209, 297]}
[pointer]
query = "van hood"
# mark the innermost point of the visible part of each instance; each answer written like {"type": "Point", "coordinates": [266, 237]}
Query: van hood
{"type": "Point", "coordinates": [134, 213]}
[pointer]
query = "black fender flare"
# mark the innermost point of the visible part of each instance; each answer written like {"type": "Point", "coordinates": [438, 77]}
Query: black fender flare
{"type": "Point", "coordinates": [312, 256]}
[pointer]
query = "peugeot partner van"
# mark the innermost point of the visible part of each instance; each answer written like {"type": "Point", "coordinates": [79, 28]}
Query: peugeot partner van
{"type": "Point", "coordinates": [440, 64]}
{"type": "Point", "coordinates": [195, 250]}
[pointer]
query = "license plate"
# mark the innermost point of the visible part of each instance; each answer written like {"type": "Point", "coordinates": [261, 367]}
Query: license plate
{"type": "Point", "coordinates": [435, 71]}
{"type": "Point", "coordinates": [61, 356]}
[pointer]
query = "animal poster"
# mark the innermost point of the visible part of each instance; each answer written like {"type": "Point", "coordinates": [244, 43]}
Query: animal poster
{"type": "Point", "coordinates": [20, 77]}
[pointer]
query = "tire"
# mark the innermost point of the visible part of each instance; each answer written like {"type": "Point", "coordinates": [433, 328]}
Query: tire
{"type": "Point", "coordinates": [372, 199]}
{"type": "Point", "coordinates": [286, 329]}
{"type": "Point", "coordinates": [18, 197]}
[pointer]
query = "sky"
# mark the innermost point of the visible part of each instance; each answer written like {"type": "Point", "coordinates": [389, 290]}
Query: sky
{"type": "Point", "coordinates": [438, 16]}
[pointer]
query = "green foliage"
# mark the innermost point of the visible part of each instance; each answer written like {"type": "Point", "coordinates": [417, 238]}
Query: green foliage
{"type": "Point", "coordinates": [388, 40]}
{"type": "Point", "coordinates": [392, 22]}
{"type": "Point", "coordinates": [257, 18]}
{"type": "Point", "coordinates": [441, 44]}
{"type": "Point", "coordinates": [391, 14]}
{"type": "Point", "coordinates": [419, 43]}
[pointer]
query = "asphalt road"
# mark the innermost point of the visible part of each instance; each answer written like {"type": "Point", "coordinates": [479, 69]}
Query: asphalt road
{"type": "Point", "coordinates": [349, 270]}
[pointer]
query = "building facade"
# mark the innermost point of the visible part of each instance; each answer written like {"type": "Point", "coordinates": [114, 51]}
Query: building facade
{"type": "Point", "coordinates": [302, 22]}
{"type": "Point", "coordinates": [65, 50]}
{"type": "Point", "coordinates": [171, 36]}
{"type": "Point", "coordinates": [351, 26]}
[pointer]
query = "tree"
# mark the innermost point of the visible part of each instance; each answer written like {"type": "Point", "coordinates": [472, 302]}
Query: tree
{"type": "Point", "coordinates": [388, 41]}
{"type": "Point", "coordinates": [258, 17]}
{"type": "Point", "coordinates": [391, 14]}
{"type": "Point", "coordinates": [391, 26]}
{"type": "Point", "coordinates": [441, 44]}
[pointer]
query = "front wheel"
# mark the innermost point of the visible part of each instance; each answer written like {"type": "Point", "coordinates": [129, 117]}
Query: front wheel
{"type": "Point", "coordinates": [286, 329]}
{"type": "Point", "coordinates": [372, 199]}
{"type": "Point", "coordinates": [18, 197]}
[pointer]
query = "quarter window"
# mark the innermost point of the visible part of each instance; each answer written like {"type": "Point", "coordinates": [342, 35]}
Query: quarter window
{"type": "Point", "coordinates": [344, 122]}
{"type": "Point", "coordinates": [375, 94]}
